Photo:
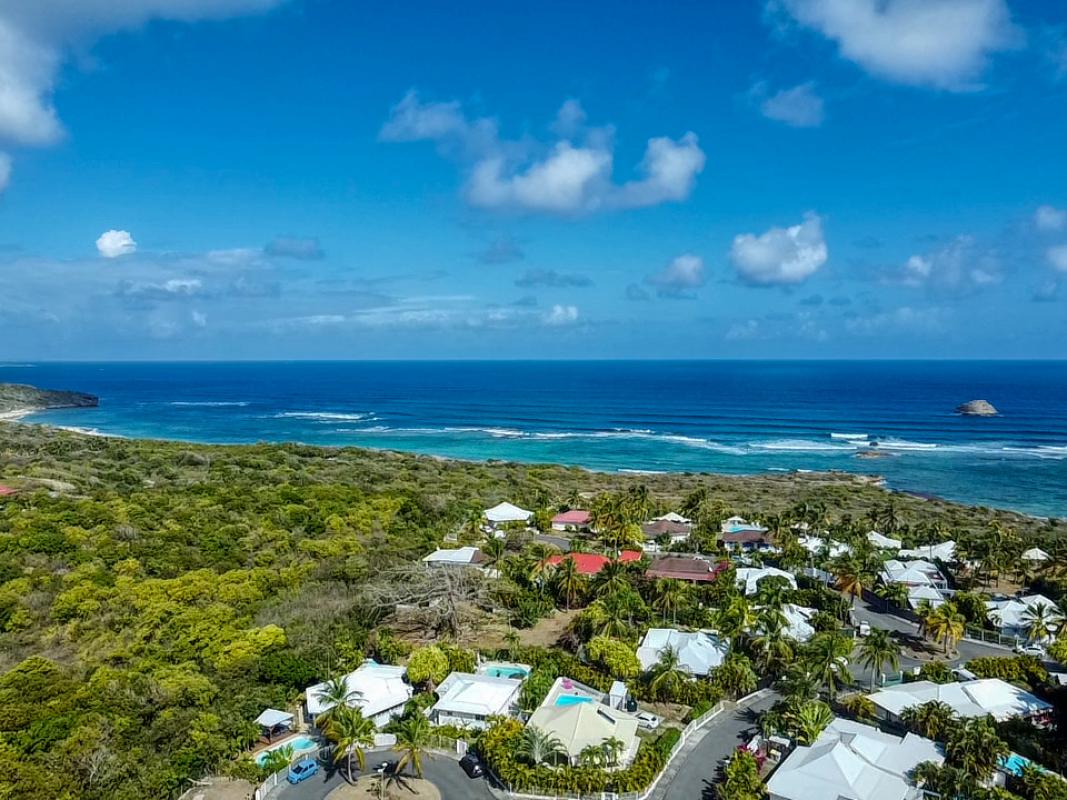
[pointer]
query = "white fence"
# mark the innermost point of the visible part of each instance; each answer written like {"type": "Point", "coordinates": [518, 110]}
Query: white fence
{"type": "Point", "coordinates": [502, 790]}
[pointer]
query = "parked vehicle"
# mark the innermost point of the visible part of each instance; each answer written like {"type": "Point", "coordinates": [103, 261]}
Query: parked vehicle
{"type": "Point", "coordinates": [302, 770]}
{"type": "Point", "coordinates": [648, 720]}
{"type": "Point", "coordinates": [864, 629]}
{"type": "Point", "coordinates": [472, 766]}
{"type": "Point", "coordinates": [1024, 649]}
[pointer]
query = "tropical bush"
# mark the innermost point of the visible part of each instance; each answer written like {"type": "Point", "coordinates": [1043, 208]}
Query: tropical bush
{"type": "Point", "coordinates": [616, 658]}
{"type": "Point", "coordinates": [428, 665]}
{"type": "Point", "coordinates": [1018, 669]}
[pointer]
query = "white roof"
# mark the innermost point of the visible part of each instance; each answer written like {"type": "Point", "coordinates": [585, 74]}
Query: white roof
{"type": "Point", "coordinates": [670, 516]}
{"type": "Point", "coordinates": [797, 625]}
{"type": "Point", "coordinates": [883, 541]}
{"type": "Point", "coordinates": [586, 724]}
{"type": "Point", "coordinates": [854, 762]}
{"type": "Point", "coordinates": [968, 699]}
{"type": "Point", "coordinates": [272, 717]}
{"type": "Point", "coordinates": [815, 544]}
{"type": "Point", "coordinates": [506, 512]}
{"type": "Point", "coordinates": [1013, 613]}
{"type": "Point", "coordinates": [458, 555]}
{"type": "Point", "coordinates": [481, 695]}
{"type": "Point", "coordinates": [1035, 554]}
{"type": "Point", "coordinates": [946, 551]}
{"type": "Point", "coordinates": [914, 573]}
{"type": "Point", "coordinates": [698, 651]}
{"type": "Point", "coordinates": [375, 688]}
{"type": "Point", "coordinates": [916, 594]}
{"type": "Point", "coordinates": [749, 577]}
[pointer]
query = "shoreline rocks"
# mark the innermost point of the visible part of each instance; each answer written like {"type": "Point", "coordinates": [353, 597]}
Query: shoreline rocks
{"type": "Point", "coordinates": [977, 408]}
{"type": "Point", "coordinates": [19, 399]}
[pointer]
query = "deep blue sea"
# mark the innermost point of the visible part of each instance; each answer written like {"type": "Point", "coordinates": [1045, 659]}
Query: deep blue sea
{"type": "Point", "coordinates": [719, 416]}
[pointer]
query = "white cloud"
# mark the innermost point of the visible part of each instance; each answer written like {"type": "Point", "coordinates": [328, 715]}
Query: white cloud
{"type": "Point", "coordinates": [572, 175]}
{"type": "Point", "coordinates": [562, 315]}
{"type": "Point", "coordinates": [1050, 218]}
{"type": "Point", "coordinates": [743, 331]}
{"type": "Point", "coordinates": [304, 249]}
{"type": "Point", "coordinates": [781, 255]}
{"type": "Point", "coordinates": [959, 267]}
{"type": "Point", "coordinates": [234, 256]}
{"type": "Point", "coordinates": [1057, 257]}
{"type": "Point", "coordinates": [799, 107]}
{"type": "Point", "coordinates": [113, 244]}
{"type": "Point", "coordinates": [684, 274]}
{"type": "Point", "coordinates": [904, 320]}
{"type": "Point", "coordinates": [36, 36]}
{"type": "Point", "coordinates": [945, 44]}
{"type": "Point", "coordinates": [199, 319]}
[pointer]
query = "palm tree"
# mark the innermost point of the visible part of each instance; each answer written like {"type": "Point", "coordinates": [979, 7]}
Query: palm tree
{"type": "Point", "coordinates": [1041, 621]}
{"type": "Point", "coordinates": [667, 673]}
{"type": "Point", "coordinates": [896, 593]}
{"type": "Point", "coordinates": [809, 720]}
{"type": "Point", "coordinates": [827, 656]}
{"type": "Point", "coordinates": [773, 592]}
{"type": "Point", "coordinates": [670, 594]}
{"type": "Point", "coordinates": [932, 720]}
{"type": "Point", "coordinates": [412, 739]}
{"type": "Point", "coordinates": [859, 706]}
{"type": "Point", "coordinates": [334, 694]}
{"type": "Point", "coordinates": [851, 578]}
{"type": "Point", "coordinates": [568, 581]}
{"type": "Point", "coordinates": [493, 551]}
{"type": "Point", "coordinates": [611, 579]}
{"type": "Point", "coordinates": [975, 748]}
{"type": "Point", "coordinates": [772, 650]}
{"type": "Point", "coordinates": [735, 677]}
{"type": "Point", "coordinates": [947, 625]}
{"type": "Point", "coordinates": [878, 650]}
{"type": "Point", "coordinates": [278, 759]}
{"type": "Point", "coordinates": [736, 619]}
{"type": "Point", "coordinates": [351, 732]}
{"type": "Point", "coordinates": [537, 746]}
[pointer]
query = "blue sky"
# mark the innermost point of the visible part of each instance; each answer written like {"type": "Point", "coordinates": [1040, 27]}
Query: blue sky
{"type": "Point", "coordinates": [319, 179]}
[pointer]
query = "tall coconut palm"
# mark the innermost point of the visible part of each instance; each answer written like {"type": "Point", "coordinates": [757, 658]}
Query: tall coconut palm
{"type": "Point", "coordinates": [947, 625]}
{"type": "Point", "coordinates": [1041, 621]}
{"type": "Point", "coordinates": [851, 577]}
{"type": "Point", "coordinates": [278, 759]}
{"type": "Point", "coordinates": [667, 673]}
{"type": "Point", "coordinates": [736, 619]}
{"type": "Point", "coordinates": [772, 650]}
{"type": "Point", "coordinates": [611, 579]}
{"type": "Point", "coordinates": [351, 733]}
{"type": "Point", "coordinates": [975, 748]}
{"type": "Point", "coordinates": [668, 596]}
{"type": "Point", "coordinates": [879, 650]}
{"type": "Point", "coordinates": [827, 656]}
{"type": "Point", "coordinates": [932, 720]}
{"type": "Point", "coordinates": [412, 740]}
{"type": "Point", "coordinates": [568, 581]}
{"type": "Point", "coordinates": [492, 551]}
{"type": "Point", "coordinates": [536, 746]}
{"type": "Point", "coordinates": [809, 720]}
{"type": "Point", "coordinates": [895, 593]}
{"type": "Point", "coordinates": [334, 694]}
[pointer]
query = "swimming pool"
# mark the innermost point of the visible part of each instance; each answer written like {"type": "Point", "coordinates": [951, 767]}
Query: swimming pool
{"type": "Point", "coordinates": [301, 744]}
{"type": "Point", "coordinates": [1014, 764]}
{"type": "Point", "coordinates": [572, 699]}
{"type": "Point", "coordinates": [507, 672]}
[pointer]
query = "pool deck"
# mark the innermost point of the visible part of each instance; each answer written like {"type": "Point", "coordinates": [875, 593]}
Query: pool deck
{"type": "Point", "coordinates": [568, 687]}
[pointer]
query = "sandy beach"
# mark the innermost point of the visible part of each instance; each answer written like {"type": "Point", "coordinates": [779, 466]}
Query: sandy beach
{"type": "Point", "coordinates": [15, 414]}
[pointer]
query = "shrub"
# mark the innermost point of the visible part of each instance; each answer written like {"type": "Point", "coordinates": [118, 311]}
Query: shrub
{"type": "Point", "coordinates": [427, 665]}
{"type": "Point", "coordinates": [614, 657]}
{"type": "Point", "coordinates": [668, 739]}
{"type": "Point", "coordinates": [699, 709]}
{"type": "Point", "coordinates": [1019, 669]}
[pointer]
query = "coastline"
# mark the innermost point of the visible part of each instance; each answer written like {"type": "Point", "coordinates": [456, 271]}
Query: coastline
{"type": "Point", "coordinates": [16, 414]}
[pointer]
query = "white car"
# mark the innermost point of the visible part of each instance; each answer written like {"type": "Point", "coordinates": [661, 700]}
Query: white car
{"type": "Point", "coordinates": [648, 720]}
{"type": "Point", "coordinates": [1030, 650]}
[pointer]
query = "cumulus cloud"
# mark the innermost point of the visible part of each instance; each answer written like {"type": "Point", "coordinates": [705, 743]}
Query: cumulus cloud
{"type": "Point", "coordinates": [781, 255]}
{"type": "Point", "coordinates": [1050, 218]}
{"type": "Point", "coordinates": [113, 244]}
{"type": "Point", "coordinates": [561, 315]}
{"type": "Point", "coordinates": [680, 278]}
{"type": "Point", "coordinates": [572, 175]}
{"type": "Point", "coordinates": [1057, 257]}
{"type": "Point", "coordinates": [957, 268]}
{"type": "Point", "coordinates": [171, 289]}
{"type": "Point", "coordinates": [304, 249]}
{"type": "Point", "coordinates": [550, 278]}
{"type": "Point", "coordinates": [799, 107]}
{"type": "Point", "coordinates": [36, 37]}
{"type": "Point", "coordinates": [945, 44]}
{"type": "Point", "coordinates": [905, 320]}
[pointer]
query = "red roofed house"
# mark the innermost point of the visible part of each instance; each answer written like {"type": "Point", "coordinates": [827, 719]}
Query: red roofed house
{"type": "Point", "coordinates": [592, 563]}
{"type": "Point", "coordinates": [573, 520]}
{"type": "Point", "coordinates": [747, 539]}
{"type": "Point", "coordinates": [685, 568]}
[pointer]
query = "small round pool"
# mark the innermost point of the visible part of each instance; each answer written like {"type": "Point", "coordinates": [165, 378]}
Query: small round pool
{"type": "Point", "coordinates": [300, 744]}
{"type": "Point", "coordinates": [506, 672]}
{"type": "Point", "coordinates": [572, 699]}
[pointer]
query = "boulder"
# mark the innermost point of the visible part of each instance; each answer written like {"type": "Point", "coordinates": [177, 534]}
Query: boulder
{"type": "Point", "coordinates": [977, 408]}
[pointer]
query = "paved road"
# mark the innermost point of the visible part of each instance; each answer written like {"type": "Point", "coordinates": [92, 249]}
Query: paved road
{"type": "Point", "coordinates": [444, 772]}
{"type": "Point", "coordinates": [693, 773]}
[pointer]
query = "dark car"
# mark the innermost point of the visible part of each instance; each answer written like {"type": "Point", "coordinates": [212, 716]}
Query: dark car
{"type": "Point", "coordinates": [472, 766]}
{"type": "Point", "coordinates": [302, 770]}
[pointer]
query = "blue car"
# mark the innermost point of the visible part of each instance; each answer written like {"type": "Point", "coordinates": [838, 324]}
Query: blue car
{"type": "Point", "coordinates": [302, 770]}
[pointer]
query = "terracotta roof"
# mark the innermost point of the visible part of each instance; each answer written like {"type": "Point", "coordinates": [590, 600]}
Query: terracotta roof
{"type": "Point", "coordinates": [592, 563]}
{"type": "Point", "coordinates": [684, 568]}
{"type": "Point", "coordinates": [747, 535]}
{"type": "Point", "coordinates": [573, 517]}
{"type": "Point", "coordinates": [653, 529]}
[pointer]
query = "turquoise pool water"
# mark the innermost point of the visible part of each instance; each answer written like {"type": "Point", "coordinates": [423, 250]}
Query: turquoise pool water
{"type": "Point", "coordinates": [572, 700]}
{"type": "Point", "coordinates": [507, 672]}
{"type": "Point", "coordinates": [1014, 764]}
{"type": "Point", "coordinates": [301, 744]}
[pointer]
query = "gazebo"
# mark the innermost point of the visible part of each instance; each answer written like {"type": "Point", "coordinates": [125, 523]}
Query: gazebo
{"type": "Point", "coordinates": [507, 512]}
{"type": "Point", "coordinates": [274, 722]}
{"type": "Point", "coordinates": [1035, 554]}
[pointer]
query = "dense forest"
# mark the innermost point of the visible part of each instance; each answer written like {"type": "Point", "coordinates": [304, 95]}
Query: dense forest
{"type": "Point", "coordinates": [156, 596]}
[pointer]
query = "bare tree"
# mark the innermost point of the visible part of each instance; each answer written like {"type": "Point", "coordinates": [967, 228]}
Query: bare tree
{"type": "Point", "coordinates": [440, 599]}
